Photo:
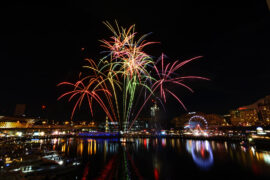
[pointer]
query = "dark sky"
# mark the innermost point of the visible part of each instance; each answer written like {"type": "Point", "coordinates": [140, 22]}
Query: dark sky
{"type": "Point", "coordinates": [40, 46]}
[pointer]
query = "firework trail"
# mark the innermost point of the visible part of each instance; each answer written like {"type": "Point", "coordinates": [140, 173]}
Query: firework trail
{"type": "Point", "coordinates": [79, 88]}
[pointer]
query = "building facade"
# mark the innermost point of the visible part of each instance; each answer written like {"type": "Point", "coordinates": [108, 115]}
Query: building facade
{"type": "Point", "coordinates": [244, 117]}
{"type": "Point", "coordinates": [257, 113]}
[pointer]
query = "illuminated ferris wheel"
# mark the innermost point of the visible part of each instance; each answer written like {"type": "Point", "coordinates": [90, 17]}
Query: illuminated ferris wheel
{"type": "Point", "coordinates": [198, 124]}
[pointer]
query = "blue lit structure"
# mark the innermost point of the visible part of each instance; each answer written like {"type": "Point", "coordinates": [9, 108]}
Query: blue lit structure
{"type": "Point", "coordinates": [99, 134]}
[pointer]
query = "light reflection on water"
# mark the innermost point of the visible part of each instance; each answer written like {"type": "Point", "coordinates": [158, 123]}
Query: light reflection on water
{"type": "Point", "coordinates": [158, 158]}
{"type": "Point", "coordinates": [201, 153]}
{"type": "Point", "coordinates": [204, 154]}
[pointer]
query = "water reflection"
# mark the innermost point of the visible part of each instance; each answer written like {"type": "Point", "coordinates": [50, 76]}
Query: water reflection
{"type": "Point", "coordinates": [80, 148]}
{"type": "Point", "coordinates": [266, 158]}
{"type": "Point", "coordinates": [201, 152]}
{"type": "Point", "coordinates": [135, 158]}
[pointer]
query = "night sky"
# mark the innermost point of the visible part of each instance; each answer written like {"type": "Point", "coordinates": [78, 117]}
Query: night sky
{"type": "Point", "coordinates": [40, 46]}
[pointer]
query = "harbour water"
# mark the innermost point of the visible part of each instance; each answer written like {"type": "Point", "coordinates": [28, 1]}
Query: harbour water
{"type": "Point", "coordinates": [132, 158]}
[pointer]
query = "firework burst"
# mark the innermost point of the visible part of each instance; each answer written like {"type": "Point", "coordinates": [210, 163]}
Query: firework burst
{"type": "Point", "coordinates": [120, 74]}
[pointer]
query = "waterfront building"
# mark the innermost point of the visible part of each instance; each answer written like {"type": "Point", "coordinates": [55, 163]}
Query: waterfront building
{"type": "Point", "coordinates": [257, 113]}
{"type": "Point", "coordinates": [16, 122]}
{"type": "Point", "coordinates": [227, 118]}
{"type": "Point", "coordinates": [109, 126]}
{"type": "Point", "coordinates": [140, 124]}
{"type": "Point", "coordinates": [264, 111]}
{"type": "Point", "coordinates": [180, 121]}
{"type": "Point", "coordinates": [244, 117]}
{"type": "Point", "coordinates": [215, 120]}
{"type": "Point", "coordinates": [264, 114]}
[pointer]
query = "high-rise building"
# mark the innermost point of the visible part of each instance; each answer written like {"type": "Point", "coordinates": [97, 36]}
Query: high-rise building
{"type": "Point", "coordinates": [264, 114]}
{"type": "Point", "coordinates": [154, 123]}
{"type": "Point", "coordinates": [264, 111]}
{"type": "Point", "coordinates": [244, 117]}
{"type": "Point", "coordinates": [257, 113]}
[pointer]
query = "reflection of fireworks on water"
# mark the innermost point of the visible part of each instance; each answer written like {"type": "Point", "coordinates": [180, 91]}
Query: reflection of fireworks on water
{"type": "Point", "coordinates": [122, 73]}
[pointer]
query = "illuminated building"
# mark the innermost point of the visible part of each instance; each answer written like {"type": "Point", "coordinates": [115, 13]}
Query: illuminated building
{"type": "Point", "coordinates": [179, 122]}
{"type": "Point", "coordinates": [15, 122]}
{"type": "Point", "coordinates": [154, 116]}
{"type": "Point", "coordinates": [264, 114]}
{"type": "Point", "coordinates": [154, 110]}
{"type": "Point", "coordinates": [215, 120]}
{"type": "Point", "coordinates": [143, 122]}
{"type": "Point", "coordinates": [264, 110]}
{"type": "Point", "coordinates": [257, 113]}
{"type": "Point", "coordinates": [140, 124]}
{"type": "Point", "coordinates": [227, 118]}
{"type": "Point", "coordinates": [244, 117]}
{"type": "Point", "coordinates": [235, 117]}
{"type": "Point", "coordinates": [107, 125]}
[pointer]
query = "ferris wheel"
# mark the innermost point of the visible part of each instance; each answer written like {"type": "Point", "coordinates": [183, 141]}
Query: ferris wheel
{"type": "Point", "coordinates": [198, 124]}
